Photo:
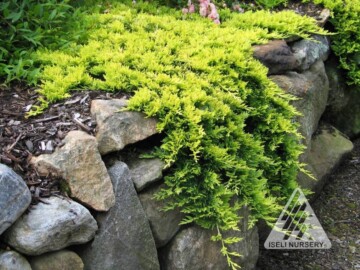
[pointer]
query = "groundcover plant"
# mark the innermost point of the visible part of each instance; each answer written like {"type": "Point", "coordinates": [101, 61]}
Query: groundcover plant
{"type": "Point", "coordinates": [230, 135]}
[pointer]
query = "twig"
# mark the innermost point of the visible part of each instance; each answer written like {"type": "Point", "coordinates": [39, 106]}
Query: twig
{"type": "Point", "coordinates": [16, 141]}
{"type": "Point", "coordinates": [12, 157]}
{"type": "Point", "coordinates": [345, 221]}
{"type": "Point", "coordinates": [11, 113]}
{"type": "Point", "coordinates": [80, 124]}
{"type": "Point", "coordinates": [46, 119]}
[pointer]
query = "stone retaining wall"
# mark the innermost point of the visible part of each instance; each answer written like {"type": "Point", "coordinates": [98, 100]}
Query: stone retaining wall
{"type": "Point", "coordinates": [111, 221]}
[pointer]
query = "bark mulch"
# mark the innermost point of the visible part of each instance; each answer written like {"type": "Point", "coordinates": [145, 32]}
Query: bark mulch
{"type": "Point", "coordinates": [22, 137]}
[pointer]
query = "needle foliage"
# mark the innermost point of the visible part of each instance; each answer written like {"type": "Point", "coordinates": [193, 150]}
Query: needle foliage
{"type": "Point", "coordinates": [346, 43]}
{"type": "Point", "coordinates": [230, 135]}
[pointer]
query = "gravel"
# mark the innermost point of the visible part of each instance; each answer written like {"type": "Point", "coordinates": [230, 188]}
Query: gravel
{"type": "Point", "coordinates": [338, 210]}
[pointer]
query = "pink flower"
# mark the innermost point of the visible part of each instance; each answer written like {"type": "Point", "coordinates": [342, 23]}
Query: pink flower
{"type": "Point", "coordinates": [213, 14]}
{"type": "Point", "coordinates": [203, 10]}
{"type": "Point", "coordinates": [191, 8]}
{"type": "Point", "coordinates": [206, 9]}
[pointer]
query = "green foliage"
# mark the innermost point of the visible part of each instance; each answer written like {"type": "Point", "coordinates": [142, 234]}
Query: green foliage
{"type": "Point", "coordinates": [263, 3]}
{"type": "Point", "coordinates": [231, 139]}
{"type": "Point", "coordinates": [346, 44]}
{"type": "Point", "coordinates": [271, 3]}
{"type": "Point", "coordinates": [27, 25]}
{"type": "Point", "coordinates": [283, 24]}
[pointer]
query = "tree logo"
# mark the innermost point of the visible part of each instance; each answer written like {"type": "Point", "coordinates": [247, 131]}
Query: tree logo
{"type": "Point", "coordinates": [297, 227]}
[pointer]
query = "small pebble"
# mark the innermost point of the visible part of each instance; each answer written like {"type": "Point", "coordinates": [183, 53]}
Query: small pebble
{"type": "Point", "coordinates": [49, 147]}
{"type": "Point", "coordinates": [60, 134]}
{"type": "Point", "coordinates": [29, 145]}
{"type": "Point", "coordinates": [43, 146]}
{"type": "Point", "coordinates": [27, 108]}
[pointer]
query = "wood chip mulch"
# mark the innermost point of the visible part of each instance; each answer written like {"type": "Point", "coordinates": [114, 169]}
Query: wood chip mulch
{"type": "Point", "coordinates": [22, 137]}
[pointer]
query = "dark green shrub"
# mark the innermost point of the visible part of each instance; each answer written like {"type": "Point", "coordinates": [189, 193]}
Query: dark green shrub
{"type": "Point", "coordinates": [27, 25]}
{"type": "Point", "coordinates": [346, 42]}
{"type": "Point", "coordinates": [271, 3]}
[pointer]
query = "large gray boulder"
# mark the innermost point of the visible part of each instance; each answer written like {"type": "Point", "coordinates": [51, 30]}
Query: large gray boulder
{"type": "Point", "coordinates": [15, 197]}
{"type": "Point", "coordinates": [164, 224]}
{"type": "Point", "coordinates": [276, 56]}
{"type": "Point", "coordinates": [312, 88]}
{"type": "Point", "coordinates": [307, 52]}
{"type": "Point", "coordinates": [124, 240]}
{"type": "Point", "coordinates": [11, 260]}
{"type": "Point", "coordinates": [116, 128]}
{"type": "Point", "coordinates": [58, 260]}
{"type": "Point", "coordinates": [80, 164]}
{"type": "Point", "coordinates": [192, 249]}
{"type": "Point", "coordinates": [50, 226]}
{"type": "Point", "coordinates": [328, 148]}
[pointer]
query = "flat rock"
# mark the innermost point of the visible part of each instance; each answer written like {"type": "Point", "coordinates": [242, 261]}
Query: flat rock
{"type": "Point", "coordinates": [15, 197]}
{"type": "Point", "coordinates": [192, 249]}
{"type": "Point", "coordinates": [307, 52]}
{"type": "Point", "coordinates": [328, 148]}
{"type": "Point", "coordinates": [312, 88]}
{"type": "Point", "coordinates": [80, 164]}
{"type": "Point", "coordinates": [164, 225]}
{"type": "Point", "coordinates": [115, 128]}
{"type": "Point", "coordinates": [58, 260]}
{"type": "Point", "coordinates": [51, 226]}
{"type": "Point", "coordinates": [276, 56]}
{"type": "Point", "coordinates": [145, 171]}
{"type": "Point", "coordinates": [11, 260]}
{"type": "Point", "coordinates": [124, 240]}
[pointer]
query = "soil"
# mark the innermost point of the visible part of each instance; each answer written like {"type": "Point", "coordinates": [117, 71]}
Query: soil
{"type": "Point", "coordinates": [22, 137]}
{"type": "Point", "coordinates": [338, 210]}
